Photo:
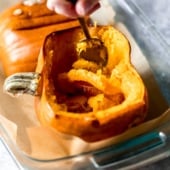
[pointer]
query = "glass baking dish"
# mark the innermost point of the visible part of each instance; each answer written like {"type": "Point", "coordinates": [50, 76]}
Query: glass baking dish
{"type": "Point", "coordinates": [138, 146]}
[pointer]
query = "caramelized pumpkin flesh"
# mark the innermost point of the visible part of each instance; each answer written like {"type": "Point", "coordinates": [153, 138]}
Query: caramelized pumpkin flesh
{"type": "Point", "coordinates": [80, 98]}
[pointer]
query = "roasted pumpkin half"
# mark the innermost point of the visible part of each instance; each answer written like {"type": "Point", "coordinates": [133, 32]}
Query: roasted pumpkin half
{"type": "Point", "coordinates": [82, 99]}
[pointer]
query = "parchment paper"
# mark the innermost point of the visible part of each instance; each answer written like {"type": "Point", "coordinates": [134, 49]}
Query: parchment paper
{"type": "Point", "coordinates": [19, 122]}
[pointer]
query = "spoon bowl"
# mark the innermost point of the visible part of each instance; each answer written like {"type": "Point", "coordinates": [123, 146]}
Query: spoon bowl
{"type": "Point", "coordinates": [91, 49]}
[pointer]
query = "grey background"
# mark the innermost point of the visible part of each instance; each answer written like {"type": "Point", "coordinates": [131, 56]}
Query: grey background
{"type": "Point", "coordinates": [158, 12]}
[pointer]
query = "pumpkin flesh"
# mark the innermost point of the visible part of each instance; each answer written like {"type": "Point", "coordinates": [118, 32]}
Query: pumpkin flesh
{"type": "Point", "coordinates": [79, 98]}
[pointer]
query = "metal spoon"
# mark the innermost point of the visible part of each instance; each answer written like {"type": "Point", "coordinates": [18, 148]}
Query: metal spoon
{"type": "Point", "coordinates": [94, 48]}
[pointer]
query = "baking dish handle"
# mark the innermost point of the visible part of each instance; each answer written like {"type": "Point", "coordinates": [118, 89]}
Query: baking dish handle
{"type": "Point", "coordinates": [138, 151]}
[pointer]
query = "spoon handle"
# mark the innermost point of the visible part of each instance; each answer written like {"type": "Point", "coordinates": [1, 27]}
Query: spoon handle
{"type": "Point", "coordinates": [82, 22]}
{"type": "Point", "coordinates": [84, 27]}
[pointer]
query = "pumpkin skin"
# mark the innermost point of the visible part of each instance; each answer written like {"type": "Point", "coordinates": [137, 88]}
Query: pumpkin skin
{"type": "Point", "coordinates": [22, 32]}
{"type": "Point", "coordinates": [116, 98]}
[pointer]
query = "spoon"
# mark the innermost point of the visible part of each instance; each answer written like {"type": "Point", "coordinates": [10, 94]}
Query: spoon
{"type": "Point", "coordinates": [93, 48]}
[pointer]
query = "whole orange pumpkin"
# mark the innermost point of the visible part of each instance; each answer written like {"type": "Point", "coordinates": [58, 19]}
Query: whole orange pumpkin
{"type": "Point", "coordinates": [23, 29]}
{"type": "Point", "coordinates": [81, 99]}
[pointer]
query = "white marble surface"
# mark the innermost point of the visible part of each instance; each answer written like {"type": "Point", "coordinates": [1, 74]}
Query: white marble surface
{"type": "Point", "coordinates": [6, 161]}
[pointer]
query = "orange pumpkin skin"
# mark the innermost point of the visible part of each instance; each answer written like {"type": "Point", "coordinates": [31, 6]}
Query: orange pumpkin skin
{"type": "Point", "coordinates": [22, 32]}
{"type": "Point", "coordinates": [129, 103]}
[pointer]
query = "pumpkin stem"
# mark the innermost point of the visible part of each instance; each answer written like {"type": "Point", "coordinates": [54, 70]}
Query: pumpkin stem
{"type": "Point", "coordinates": [20, 83]}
